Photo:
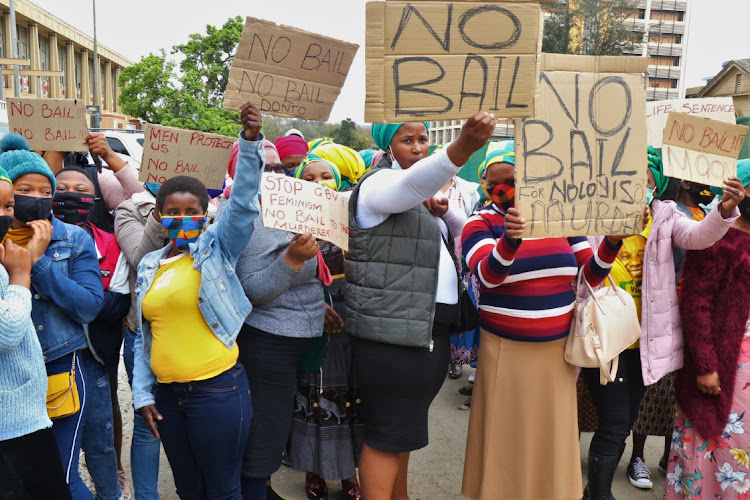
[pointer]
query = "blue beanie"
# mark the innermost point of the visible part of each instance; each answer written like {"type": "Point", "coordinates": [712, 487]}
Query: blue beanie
{"type": "Point", "coordinates": [17, 159]}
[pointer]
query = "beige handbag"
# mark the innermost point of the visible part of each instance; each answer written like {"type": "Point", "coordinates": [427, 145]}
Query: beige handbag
{"type": "Point", "coordinates": [605, 323]}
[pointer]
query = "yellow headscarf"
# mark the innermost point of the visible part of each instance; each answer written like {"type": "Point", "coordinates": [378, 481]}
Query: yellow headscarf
{"type": "Point", "coordinates": [350, 164]}
{"type": "Point", "coordinates": [320, 141]}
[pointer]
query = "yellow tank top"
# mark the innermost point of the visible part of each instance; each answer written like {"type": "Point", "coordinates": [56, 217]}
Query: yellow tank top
{"type": "Point", "coordinates": [183, 347]}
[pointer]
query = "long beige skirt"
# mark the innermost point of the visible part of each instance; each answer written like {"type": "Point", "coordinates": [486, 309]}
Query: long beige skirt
{"type": "Point", "coordinates": [523, 429]}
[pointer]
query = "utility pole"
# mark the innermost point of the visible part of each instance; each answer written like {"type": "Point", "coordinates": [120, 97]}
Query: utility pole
{"type": "Point", "coordinates": [97, 76]}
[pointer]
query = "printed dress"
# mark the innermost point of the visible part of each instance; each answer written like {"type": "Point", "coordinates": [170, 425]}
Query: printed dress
{"type": "Point", "coordinates": [719, 468]}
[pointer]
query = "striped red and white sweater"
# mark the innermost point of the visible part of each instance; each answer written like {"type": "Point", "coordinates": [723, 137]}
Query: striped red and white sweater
{"type": "Point", "coordinates": [527, 286]}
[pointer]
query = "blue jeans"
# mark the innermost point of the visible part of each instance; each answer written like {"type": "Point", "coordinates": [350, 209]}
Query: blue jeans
{"type": "Point", "coordinates": [68, 430]}
{"type": "Point", "coordinates": [98, 433]}
{"type": "Point", "coordinates": [144, 448]}
{"type": "Point", "coordinates": [205, 429]}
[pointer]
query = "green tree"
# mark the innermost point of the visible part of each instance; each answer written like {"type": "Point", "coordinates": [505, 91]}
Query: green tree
{"type": "Point", "coordinates": [591, 27]}
{"type": "Point", "coordinates": [147, 88]}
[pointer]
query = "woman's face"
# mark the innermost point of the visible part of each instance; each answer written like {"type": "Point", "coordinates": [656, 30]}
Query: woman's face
{"type": "Point", "coordinates": [410, 144]}
{"type": "Point", "coordinates": [499, 173]}
{"type": "Point", "coordinates": [77, 182]}
{"type": "Point", "coordinates": [34, 185]}
{"type": "Point", "coordinates": [317, 171]}
{"type": "Point", "coordinates": [7, 202]}
{"type": "Point", "coordinates": [182, 204]}
{"type": "Point", "coordinates": [651, 182]}
{"type": "Point", "coordinates": [292, 161]}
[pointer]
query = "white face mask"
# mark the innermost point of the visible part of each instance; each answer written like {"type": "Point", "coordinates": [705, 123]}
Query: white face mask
{"type": "Point", "coordinates": [649, 196]}
{"type": "Point", "coordinates": [394, 163]}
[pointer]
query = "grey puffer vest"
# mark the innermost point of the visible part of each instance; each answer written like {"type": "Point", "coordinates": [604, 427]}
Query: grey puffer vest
{"type": "Point", "coordinates": [391, 273]}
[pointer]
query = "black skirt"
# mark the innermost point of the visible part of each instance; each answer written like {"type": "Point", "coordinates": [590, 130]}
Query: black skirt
{"type": "Point", "coordinates": [397, 385]}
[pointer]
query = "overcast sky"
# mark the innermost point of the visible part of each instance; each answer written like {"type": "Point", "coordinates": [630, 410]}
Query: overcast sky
{"type": "Point", "coordinates": [718, 30]}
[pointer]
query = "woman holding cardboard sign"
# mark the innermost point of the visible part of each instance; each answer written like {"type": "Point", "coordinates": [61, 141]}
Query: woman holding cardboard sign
{"type": "Point", "coordinates": [190, 307]}
{"type": "Point", "coordinates": [402, 294]}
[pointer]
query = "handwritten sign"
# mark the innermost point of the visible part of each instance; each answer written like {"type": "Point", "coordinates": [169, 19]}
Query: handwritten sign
{"type": "Point", "coordinates": [439, 61]}
{"type": "Point", "coordinates": [49, 124]}
{"type": "Point", "coordinates": [716, 108]}
{"type": "Point", "coordinates": [288, 72]}
{"type": "Point", "coordinates": [299, 206]}
{"type": "Point", "coordinates": [700, 149]}
{"type": "Point", "coordinates": [169, 152]}
{"type": "Point", "coordinates": [581, 160]}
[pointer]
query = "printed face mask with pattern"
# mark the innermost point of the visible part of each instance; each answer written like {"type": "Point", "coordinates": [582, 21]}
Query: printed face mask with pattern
{"type": "Point", "coordinates": [183, 229]}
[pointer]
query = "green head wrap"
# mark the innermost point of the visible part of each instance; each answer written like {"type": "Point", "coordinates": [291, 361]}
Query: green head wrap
{"type": "Point", "coordinates": [655, 165]}
{"type": "Point", "coordinates": [743, 171]}
{"type": "Point", "coordinates": [334, 170]}
{"type": "Point", "coordinates": [382, 133]}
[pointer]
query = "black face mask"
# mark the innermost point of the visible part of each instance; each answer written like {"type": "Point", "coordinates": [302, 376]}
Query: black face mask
{"type": "Point", "coordinates": [5, 223]}
{"type": "Point", "coordinates": [71, 207]}
{"type": "Point", "coordinates": [701, 193]}
{"type": "Point", "coordinates": [29, 208]}
{"type": "Point", "coordinates": [744, 207]}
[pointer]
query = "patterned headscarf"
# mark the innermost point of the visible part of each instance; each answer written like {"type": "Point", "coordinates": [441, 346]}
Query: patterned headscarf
{"type": "Point", "coordinates": [498, 152]}
{"type": "Point", "coordinates": [320, 141]}
{"type": "Point", "coordinates": [656, 167]}
{"type": "Point", "coordinates": [340, 184]}
{"type": "Point", "coordinates": [349, 162]}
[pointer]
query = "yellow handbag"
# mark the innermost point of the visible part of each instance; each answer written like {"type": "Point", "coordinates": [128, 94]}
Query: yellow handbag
{"type": "Point", "coordinates": [62, 393]}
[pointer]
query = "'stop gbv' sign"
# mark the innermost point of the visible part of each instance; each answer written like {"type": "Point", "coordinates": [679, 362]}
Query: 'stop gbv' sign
{"type": "Point", "coordinates": [432, 60]}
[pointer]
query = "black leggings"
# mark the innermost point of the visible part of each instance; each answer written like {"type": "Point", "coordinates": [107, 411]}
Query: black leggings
{"type": "Point", "coordinates": [616, 404]}
{"type": "Point", "coordinates": [30, 468]}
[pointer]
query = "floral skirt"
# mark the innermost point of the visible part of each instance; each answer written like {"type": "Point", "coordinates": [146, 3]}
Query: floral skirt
{"type": "Point", "coordinates": [716, 468]}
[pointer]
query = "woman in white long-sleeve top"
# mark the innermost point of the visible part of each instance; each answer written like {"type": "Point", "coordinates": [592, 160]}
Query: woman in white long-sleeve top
{"type": "Point", "coordinates": [402, 293]}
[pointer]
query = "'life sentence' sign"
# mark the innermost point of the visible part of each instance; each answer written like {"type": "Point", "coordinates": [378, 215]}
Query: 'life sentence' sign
{"type": "Point", "coordinates": [300, 207]}
{"type": "Point", "coordinates": [49, 124]}
{"type": "Point", "coordinates": [287, 72]}
{"type": "Point", "coordinates": [700, 149]}
{"type": "Point", "coordinates": [169, 152]}
{"type": "Point", "coordinates": [581, 160]}
{"type": "Point", "coordinates": [657, 112]}
{"type": "Point", "coordinates": [436, 60]}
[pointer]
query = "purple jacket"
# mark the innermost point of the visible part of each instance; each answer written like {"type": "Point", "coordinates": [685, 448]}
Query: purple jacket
{"type": "Point", "coordinates": [662, 342]}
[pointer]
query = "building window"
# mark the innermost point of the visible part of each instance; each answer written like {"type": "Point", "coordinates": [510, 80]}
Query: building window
{"type": "Point", "coordinates": [92, 77]}
{"type": "Point", "coordinates": [44, 53]}
{"type": "Point", "coordinates": [77, 62]}
{"type": "Point", "coordinates": [738, 84]}
{"type": "Point", "coordinates": [665, 61]}
{"type": "Point", "coordinates": [662, 83]}
{"type": "Point", "coordinates": [22, 41]}
{"type": "Point", "coordinates": [2, 37]}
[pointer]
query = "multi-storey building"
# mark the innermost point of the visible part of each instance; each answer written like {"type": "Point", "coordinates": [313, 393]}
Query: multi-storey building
{"type": "Point", "coordinates": [50, 44]}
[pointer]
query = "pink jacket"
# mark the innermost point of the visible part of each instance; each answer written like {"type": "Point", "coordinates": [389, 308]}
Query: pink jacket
{"type": "Point", "coordinates": [662, 343]}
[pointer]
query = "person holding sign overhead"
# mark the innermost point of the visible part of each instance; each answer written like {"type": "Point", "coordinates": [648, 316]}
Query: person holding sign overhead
{"type": "Point", "coordinates": [67, 294]}
{"type": "Point", "coordinates": [190, 308]}
{"type": "Point", "coordinates": [660, 349]}
{"type": "Point", "coordinates": [402, 293]}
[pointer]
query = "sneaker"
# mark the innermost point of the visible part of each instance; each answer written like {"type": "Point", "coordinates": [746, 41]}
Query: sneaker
{"type": "Point", "coordinates": [472, 377]}
{"type": "Point", "coordinates": [639, 475]}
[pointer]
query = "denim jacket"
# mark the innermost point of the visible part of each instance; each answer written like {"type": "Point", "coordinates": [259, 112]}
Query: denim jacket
{"type": "Point", "coordinates": [66, 288]}
{"type": "Point", "coordinates": [222, 301]}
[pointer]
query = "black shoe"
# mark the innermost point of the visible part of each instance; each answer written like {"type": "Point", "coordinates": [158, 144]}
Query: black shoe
{"type": "Point", "coordinates": [600, 474]}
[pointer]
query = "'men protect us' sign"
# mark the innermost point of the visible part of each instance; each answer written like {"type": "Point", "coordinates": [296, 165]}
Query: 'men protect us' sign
{"type": "Point", "coordinates": [287, 72]}
{"type": "Point", "coordinates": [581, 160]}
{"type": "Point", "coordinates": [169, 152]}
{"type": "Point", "coordinates": [435, 60]}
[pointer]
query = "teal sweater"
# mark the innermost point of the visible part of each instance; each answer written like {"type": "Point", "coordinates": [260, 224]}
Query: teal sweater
{"type": "Point", "coordinates": [23, 378]}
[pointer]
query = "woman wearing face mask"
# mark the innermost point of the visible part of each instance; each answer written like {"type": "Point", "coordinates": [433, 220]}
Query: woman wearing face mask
{"type": "Point", "coordinates": [29, 463]}
{"type": "Point", "coordinates": [73, 204]}
{"type": "Point", "coordinates": [328, 447]}
{"type": "Point", "coordinates": [660, 349]}
{"type": "Point", "coordinates": [191, 307]}
{"type": "Point", "coordinates": [402, 293]}
{"type": "Point", "coordinates": [711, 443]}
{"type": "Point", "coordinates": [65, 284]}
{"type": "Point", "coordinates": [658, 407]}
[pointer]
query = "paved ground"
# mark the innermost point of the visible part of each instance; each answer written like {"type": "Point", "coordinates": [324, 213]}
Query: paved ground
{"type": "Point", "coordinates": [435, 472]}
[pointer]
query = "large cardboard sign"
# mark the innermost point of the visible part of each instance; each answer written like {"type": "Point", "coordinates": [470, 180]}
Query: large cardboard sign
{"type": "Point", "coordinates": [49, 124]}
{"type": "Point", "coordinates": [436, 60]}
{"type": "Point", "coordinates": [300, 206]}
{"type": "Point", "coordinates": [169, 152]}
{"type": "Point", "coordinates": [700, 149]}
{"type": "Point", "coordinates": [657, 112]}
{"type": "Point", "coordinates": [287, 72]}
{"type": "Point", "coordinates": [581, 160]}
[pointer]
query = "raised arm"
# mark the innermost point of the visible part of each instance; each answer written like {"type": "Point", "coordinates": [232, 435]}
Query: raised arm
{"type": "Point", "coordinates": [596, 266]}
{"type": "Point", "coordinates": [693, 235]}
{"type": "Point", "coordinates": [120, 181]}
{"type": "Point", "coordinates": [489, 258]}
{"type": "Point", "coordinates": [235, 227]}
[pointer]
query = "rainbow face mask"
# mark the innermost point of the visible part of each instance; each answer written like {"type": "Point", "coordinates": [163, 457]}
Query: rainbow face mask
{"type": "Point", "coordinates": [183, 230]}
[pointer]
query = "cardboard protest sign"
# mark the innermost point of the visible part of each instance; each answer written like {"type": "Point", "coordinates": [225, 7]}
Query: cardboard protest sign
{"type": "Point", "coordinates": [716, 108]}
{"type": "Point", "coordinates": [299, 206]}
{"type": "Point", "coordinates": [700, 149]}
{"type": "Point", "coordinates": [287, 72]}
{"type": "Point", "coordinates": [169, 152]}
{"type": "Point", "coordinates": [49, 124]}
{"type": "Point", "coordinates": [581, 160]}
{"type": "Point", "coordinates": [435, 60]}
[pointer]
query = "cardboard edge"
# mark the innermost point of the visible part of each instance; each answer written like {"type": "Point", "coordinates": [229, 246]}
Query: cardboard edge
{"type": "Point", "coordinates": [375, 62]}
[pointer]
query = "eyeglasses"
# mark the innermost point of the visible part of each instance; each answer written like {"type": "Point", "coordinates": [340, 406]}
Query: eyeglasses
{"type": "Point", "coordinates": [278, 168]}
